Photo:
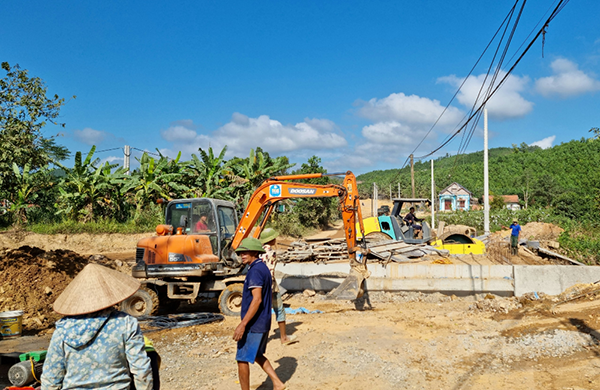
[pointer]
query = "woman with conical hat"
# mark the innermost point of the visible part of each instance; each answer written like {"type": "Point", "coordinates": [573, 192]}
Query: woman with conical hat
{"type": "Point", "coordinates": [95, 346]}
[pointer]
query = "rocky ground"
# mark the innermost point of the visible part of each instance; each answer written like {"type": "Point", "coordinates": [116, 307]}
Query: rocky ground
{"type": "Point", "coordinates": [402, 341]}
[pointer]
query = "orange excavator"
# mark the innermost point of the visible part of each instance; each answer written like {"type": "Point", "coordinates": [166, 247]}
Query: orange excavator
{"type": "Point", "coordinates": [193, 253]}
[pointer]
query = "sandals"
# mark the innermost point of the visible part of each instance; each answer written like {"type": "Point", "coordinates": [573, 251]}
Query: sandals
{"type": "Point", "coordinates": [291, 339]}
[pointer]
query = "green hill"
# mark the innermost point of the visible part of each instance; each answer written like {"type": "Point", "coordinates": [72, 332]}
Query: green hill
{"type": "Point", "coordinates": [565, 177]}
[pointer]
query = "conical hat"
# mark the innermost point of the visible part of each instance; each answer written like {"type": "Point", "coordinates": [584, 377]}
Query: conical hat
{"type": "Point", "coordinates": [93, 289]}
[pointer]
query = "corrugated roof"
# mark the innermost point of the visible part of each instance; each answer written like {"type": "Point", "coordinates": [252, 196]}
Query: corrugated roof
{"type": "Point", "coordinates": [507, 198]}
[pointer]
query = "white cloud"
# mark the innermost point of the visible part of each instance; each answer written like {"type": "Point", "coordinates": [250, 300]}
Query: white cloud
{"type": "Point", "coordinates": [411, 109]}
{"type": "Point", "coordinates": [566, 81]}
{"type": "Point", "coordinates": [178, 133]}
{"type": "Point", "coordinates": [401, 122]}
{"type": "Point", "coordinates": [388, 132]}
{"type": "Point", "coordinates": [544, 143]}
{"type": "Point", "coordinates": [506, 102]}
{"type": "Point", "coordinates": [243, 133]}
{"type": "Point", "coordinates": [90, 136]}
{"type": "Point", "coordinates": [111, 160]}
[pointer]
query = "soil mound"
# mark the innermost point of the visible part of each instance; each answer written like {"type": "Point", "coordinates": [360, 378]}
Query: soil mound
{"type": "Point", "coordinates": [541, 231]}
{"type": "Point", "coordinates": [31, 280]}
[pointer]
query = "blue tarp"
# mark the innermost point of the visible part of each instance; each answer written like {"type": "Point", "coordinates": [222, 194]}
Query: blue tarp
{"type": "Point", "coordinates": [300, 310]}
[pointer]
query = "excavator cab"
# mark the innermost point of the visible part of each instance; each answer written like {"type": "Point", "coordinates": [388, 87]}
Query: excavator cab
{"type": "Point", "coordinates": [214, 218]}
{"type": "Point", "coordinates": [195, 240]}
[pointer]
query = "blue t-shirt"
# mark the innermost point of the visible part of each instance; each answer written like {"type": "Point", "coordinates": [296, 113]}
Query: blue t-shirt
{"type": "Point", "coordinates": [258, 276]}
{"type": "Point", "coordinates": [515, 229]}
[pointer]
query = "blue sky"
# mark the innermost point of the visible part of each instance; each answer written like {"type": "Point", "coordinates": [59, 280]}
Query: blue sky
{"type": "Point", "coordinates": [357, 83]}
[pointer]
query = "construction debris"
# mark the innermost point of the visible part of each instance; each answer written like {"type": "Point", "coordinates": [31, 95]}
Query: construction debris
{"type": "Point", "coordinates": [321, 252]}
{"type": "Point", "coordinates": [554, 254]}
{"type": "Point", "coordinates": [336, 249]}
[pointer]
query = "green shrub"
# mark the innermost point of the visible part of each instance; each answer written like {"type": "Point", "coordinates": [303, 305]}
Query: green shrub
{"type": "Point", "coordinates": [499, 218]}
{"type": "Point", "coordinates": [287, 224]}
{"type": "Point", "coordinates": [582, 243]}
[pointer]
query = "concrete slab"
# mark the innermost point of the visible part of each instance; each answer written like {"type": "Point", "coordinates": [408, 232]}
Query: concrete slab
{"type": "Point", "coordinates": [453, 278]}
{"type": "Point", "coordinates": [552, 279]}
{"type": "Point", "coordinates": [447, 278]}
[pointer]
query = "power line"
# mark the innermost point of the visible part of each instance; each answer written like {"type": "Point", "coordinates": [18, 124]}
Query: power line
{"type": "Point", "coordinates": [107, 150]}
{"type": "Point", "coordinates": [557, 9]}
{"type": "Point", "coordinates": [506, 18]}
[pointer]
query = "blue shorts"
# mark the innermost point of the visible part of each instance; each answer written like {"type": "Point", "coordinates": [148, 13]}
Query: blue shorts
{"type": "Point", "coordinates": [251, 346]}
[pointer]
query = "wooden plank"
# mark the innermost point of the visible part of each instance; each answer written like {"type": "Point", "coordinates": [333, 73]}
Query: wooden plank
{"type": "Point", "coordinates": [546, 251]}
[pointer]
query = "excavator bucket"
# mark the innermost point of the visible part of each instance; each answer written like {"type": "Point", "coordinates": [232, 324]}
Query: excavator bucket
{"type": "Point", "coordinates": [352, 286]}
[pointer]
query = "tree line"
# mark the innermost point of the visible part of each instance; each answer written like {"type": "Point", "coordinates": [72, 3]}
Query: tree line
{"type": "Point", "coordinates": [35, 186]}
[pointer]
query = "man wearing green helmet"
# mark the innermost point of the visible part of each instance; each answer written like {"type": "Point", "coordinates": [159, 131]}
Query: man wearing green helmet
{"type": "Point", "coordinates": [252, 332]}
{"type": "Point", "coordinates": [268, 238]}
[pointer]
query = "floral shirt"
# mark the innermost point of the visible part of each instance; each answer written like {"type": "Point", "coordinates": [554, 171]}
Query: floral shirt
{"type": "Point", "coordinates": [97, 351]}
{"type": "Point", "coordinates": [270, 259]}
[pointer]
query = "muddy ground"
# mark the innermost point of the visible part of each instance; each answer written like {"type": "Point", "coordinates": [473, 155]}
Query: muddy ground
{"type": "Point", "coordinates": [386, 341]}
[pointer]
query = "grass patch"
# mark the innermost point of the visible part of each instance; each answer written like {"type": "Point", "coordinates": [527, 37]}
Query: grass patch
{"type": "Point", "coordinates": [582, 243]}
{"type": "Point", "coordinates": [71, 227]}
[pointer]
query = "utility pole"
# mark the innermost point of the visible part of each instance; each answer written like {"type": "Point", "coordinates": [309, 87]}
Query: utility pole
{"type": "Point", "coordinates": [486, 179]}
{"type": "Point", "coordinates": [412, 174]}
{"type": "Point", "coordinates": [390, 191]}
{"type": "Point", "coordinates": [126, 156]}
{"type": "Point", "coordinates": [432, 197]}
{"type": "Point", "coordinates": [399, 195]}
{"type": "Point", "coordinates": [375, 196]}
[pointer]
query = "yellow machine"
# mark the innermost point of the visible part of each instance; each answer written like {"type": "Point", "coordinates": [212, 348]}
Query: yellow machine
{"type": "Point", "coordinates": [460, 244]}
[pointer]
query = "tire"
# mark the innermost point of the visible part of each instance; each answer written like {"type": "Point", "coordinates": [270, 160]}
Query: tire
{"type": "Point", "coordinates": [230, 300]}
{"type": "Point", "coordinates": [143, 303]}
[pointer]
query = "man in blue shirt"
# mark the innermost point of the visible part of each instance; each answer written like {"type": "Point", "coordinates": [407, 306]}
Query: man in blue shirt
{"type": "Point", "coordinates": [514, 237]}
{"type": "Point", "coordinates": [252, 333]}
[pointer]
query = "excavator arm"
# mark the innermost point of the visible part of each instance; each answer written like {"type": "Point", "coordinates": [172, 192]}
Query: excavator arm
{"type": "Point", "coordinates": [279, 188]}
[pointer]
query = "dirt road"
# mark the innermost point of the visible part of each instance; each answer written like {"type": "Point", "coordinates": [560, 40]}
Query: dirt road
{"type": "Point", "coordinates": [404, 341]}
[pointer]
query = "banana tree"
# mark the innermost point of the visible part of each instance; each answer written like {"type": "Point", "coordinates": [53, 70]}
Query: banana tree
{"type": "Point", "coordinates": [210, 176]}
{"type": "Point", "coordinates": [256, 168]}
{"type": "Point", "coordinates": [81, 187]}
{"type": "Point", "coordinates": [23, 196]}
{"type": "Point", "coordinates": [154, 179]}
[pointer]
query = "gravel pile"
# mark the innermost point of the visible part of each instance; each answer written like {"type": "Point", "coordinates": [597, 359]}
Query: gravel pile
{"type": "Point", "coordinates": [389, 297]}
{"type": "Point", "coordinates": [553, 343]}
{"type": "Point", "coordinates": [409, 296]}
{"type": "Point", "coordinates": [494, 304]}
{"type": "Point", "coordinates": [507, 350]}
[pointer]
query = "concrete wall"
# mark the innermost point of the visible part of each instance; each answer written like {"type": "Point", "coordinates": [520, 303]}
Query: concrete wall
{"type": "Point", "coordinates": [553, 279]}
{"type": "Point", "coordinates": [460, 279]}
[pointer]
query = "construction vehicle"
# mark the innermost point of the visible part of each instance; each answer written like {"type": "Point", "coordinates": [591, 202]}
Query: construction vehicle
{"type": "Point", "coordinates": [193, 253]}
{"type": "Point", "coordinates": [393, 227]}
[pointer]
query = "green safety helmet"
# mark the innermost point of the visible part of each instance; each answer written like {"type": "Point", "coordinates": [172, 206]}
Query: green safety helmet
{"type": "Point", "coordinates": [268, 235]}
{"type": "Point", "coordinates": [250, 244]}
